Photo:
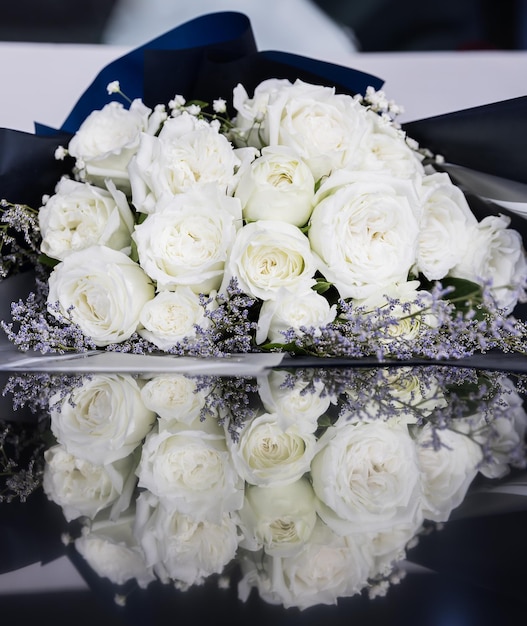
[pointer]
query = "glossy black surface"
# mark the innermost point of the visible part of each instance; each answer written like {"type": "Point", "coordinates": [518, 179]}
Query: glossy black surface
{"type": "Point", "coordinates": [469, 572]}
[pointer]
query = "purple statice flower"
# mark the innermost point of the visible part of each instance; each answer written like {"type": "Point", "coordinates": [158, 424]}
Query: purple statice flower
{"type": "Point", "coordinates": [19, 237]}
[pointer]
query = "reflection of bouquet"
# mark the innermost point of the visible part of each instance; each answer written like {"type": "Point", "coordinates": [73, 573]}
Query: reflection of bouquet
{"type": "Point", "coordinates": [313, 482]}
{"type": "Point", "coordinates": [295, 219]}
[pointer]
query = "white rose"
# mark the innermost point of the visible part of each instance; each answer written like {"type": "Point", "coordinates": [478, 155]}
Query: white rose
{"type": "Point", "coordinates": [366, 476]}
{"type": "Point", "coordinates": [188, 242]}
{"type": "Point", "coordinates": [250, 112]}
{"type": "Point", "coordinates": [410, 316]}
{"type": "Point", "coordinates": [191, 471]}
{"type": "Point", "coordinates": [271, 451]}
{"type": "Point", "coordinates": [107, 140]}
{"type": "Point", "coordinates": [81, 488]}
{"type": "Point", "coordinates": [268, 256]}
{"type": "Point", "coordinates": [364, 229]}
{"type": "Point", "coordinates": [496, 254]}
{"type": "Point", "coordinates": [181, 548]}
{"type": "Point", "coordinates": [301, 402]}
{"type": "Point", "coordinates": [80, 215]}
{"type": "Point", "coordinates": [385, 148]}
{"type": "Point", "coordinates": [279, 519]}
{"type": "Point", "coordinates": [174, 397]}
{"type": "Point", "coordinates": [102, 420]}
{"type": "Point", "coordinates": [111, 550]}
{"type": "Point", "coordinates": [444, 233]}
{"type": "Point", "coordinates": [186, 153]}
{"type": "Point", "coordinates": [447, 472]}
{"type": "Point", "coordinates": [103, 291]}
{"type": "Point", "coordinates": [292, 310]}
{"type": "Point", "coordinates": [324, 128]}
{"type": "Point", "coordinates": [278, 185]}
{"type": "Point", "coordinates": [172, 317]}
{"type": "Point", "coordinates": [330, 567]}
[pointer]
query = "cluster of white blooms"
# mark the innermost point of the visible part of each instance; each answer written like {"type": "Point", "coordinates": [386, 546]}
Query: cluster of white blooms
{"type": "Point", "coordinates": [302, 185]}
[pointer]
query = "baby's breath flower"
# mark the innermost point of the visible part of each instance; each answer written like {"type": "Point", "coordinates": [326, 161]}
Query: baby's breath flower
{"type": "Point", "coordinates": [61, 153]}
{"type": "Point", "coordinates": [178, 102]}
{"type": "Point", "coordinates": [113, 87]}
{"type": "Point", "coordinates": [194, 109]}
{"type": "Point", "coordinates": [66, 539]}
{"type": "Point", "coordinates": [219, 105]}
{"type": "Point", "coordinates": [395, 109]}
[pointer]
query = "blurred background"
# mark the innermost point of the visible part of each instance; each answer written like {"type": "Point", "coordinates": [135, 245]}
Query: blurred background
{"type": "Point", "coordinates": [361, 25]}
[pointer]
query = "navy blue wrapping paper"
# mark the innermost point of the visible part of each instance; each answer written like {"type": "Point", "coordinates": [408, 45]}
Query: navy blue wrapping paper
{"type": "Point", "coordinates": [204, 59]}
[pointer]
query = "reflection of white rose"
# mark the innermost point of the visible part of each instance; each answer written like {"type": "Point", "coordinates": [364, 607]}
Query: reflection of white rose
{"type": "Point", "coordinates": [294, 402]}
{"type": "Point", "coordinates": [505, 433]}
{"type": "Point", "coordinates": [271, 451]}
{"type": "Point", "coordinates": [112, 551]}
{"type": "Point", "coordinates": [278, 185]}
{"type": "Point", "coordinates": [171, 317]}
{"type": "Point", "coordinates": [364, 229]}
{"type": "Point", "coordinates": [81, 488]}
{"type": "Point", "coordinates": [278, 518]}
{"type": "Point", "coordinates": [446, 472]}
{"type": "Point", "coordinates": [322, 127]}
{"type": "Point", "coordinates": [388, 546]}
{"type": "Point", "coordinates": [412, 394]}
{"type": "Point", "coordinates": [80, 215]}
{"type": "Point", "coordinates": [496, 254]}
{"type": "Point", "coordinates": [103, 291]}
{"type": "Point", "coordinates": [191, 471]}
{"type": "Point", "coordinates": [366, 476]}
{"type": "Point", "coordinates": [188, 241]}
{"type": "Point", "coordinates": [268, 256]}
{"type": "Point", "coordinates": [102, 420]}
{"type": "Point", "coordinates": [292, 310]}
{"type": "Point", "coordinates": [186, 153]}
{"type": "Point", "coordinates": [444, 231]}
{"type": "Point", "coordinates": [181, 548]}
{"type": "Point", "coordinates": [330, 567]}
{"type": "Point", "coordinates": [402, 392]}
{"type": "Point", "coordinates": [107, 140]}
{"type": "Point", "coordinates": [173, 397]}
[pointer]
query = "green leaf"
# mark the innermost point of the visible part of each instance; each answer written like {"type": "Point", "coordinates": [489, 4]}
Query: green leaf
{"type": "Point", "coordinates": [319, 182]}
{"type": "Point", "coordinates": [44, 259]}
{"type": "Point", "coordinates": [134, 254]}
{"type": "Point", "coordinates": [283, 347]}
{"type": "Point", "coordinates": [321, 286]}
{"type": "Point", "coordinates": [200, 103]}
{"type": "Point", "coordinates": [465, 295]}
{"type": "Point", "coordinates": [470, 393]}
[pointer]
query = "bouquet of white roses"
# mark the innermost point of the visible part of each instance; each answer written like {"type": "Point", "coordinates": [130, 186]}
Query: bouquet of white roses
{"type": "Point", "coordinates": [295, 218]}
